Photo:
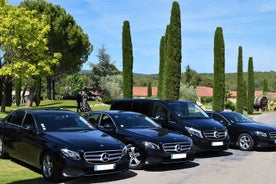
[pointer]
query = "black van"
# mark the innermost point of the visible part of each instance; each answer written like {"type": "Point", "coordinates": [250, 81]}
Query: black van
{"type": "Point", "coordinates": [182, 116]}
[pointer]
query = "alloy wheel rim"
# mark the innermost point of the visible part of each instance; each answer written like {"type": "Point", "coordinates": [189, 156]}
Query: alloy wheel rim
{"type": "Point", "coordinates": [134, 157]}
{"type": "Point", "coordinates": [245, 142]}
{"type": "Point", "coordinates": [47, 166]}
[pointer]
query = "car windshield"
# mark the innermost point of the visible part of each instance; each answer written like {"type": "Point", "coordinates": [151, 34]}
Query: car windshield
{"type": "Point", "coordinates": [130, 121]}
{"type": "Point", "coordinates": [237, 118]}
{"type": "Point", "coordinates": [62, 122]}
{"type": "Point", "coordinates": [187, 110]}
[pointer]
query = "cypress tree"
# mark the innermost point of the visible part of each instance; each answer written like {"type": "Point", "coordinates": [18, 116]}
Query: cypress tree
{"type": "Point", "coordinates": [149, 90]}
{"type": "Point", "coordinates": [251, 87]}
{"type": "Point", "coordinates": [219, 71]}
{"type": "Point", "coordinates": [265, 86]}
{"type": "Point", "coordinates": [173, 56]}
{"type": "Point", "coordinates": [239, 103]}
{"type": "Point", "coordinates": [127, 61]}
{"type": "Point", "coordinates": [161, 67]}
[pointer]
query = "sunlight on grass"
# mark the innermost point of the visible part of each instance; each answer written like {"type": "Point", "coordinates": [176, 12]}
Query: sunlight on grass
{"type": "Point", "coordinates": [57, 104]}
{"type": "Point", "coordinates": [11, 172]}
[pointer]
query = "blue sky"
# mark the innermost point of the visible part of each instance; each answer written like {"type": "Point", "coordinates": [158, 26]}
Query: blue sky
{"type": "Point", "coordinates": [247, 23]}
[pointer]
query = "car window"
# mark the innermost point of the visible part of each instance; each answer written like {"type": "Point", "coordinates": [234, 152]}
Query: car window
{"type": "Point", "coordinates": [141, 107]}
{"type": "Point", "coordinates": [29, 121]}
{"type": "Point", "coordinates": [160, 111]}
{"type": "Point", "coordinates": [63, 122]}
{"type": "Point", "coordinates": [187, 110]}
{"type": "Point", "coordinates": [93, 118]}
{"type": "Point", "coordinates": [129, 121]}
{"type": "Point", "coordinates": [106, 122]}
{"type": "Point", "coordinates": [220, 119]}
{"type": "Point", "coordinates": [16, 117]}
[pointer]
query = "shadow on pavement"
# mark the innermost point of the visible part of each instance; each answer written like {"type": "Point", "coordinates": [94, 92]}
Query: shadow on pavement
{"type": "Point", "coordinates": [167, 167]}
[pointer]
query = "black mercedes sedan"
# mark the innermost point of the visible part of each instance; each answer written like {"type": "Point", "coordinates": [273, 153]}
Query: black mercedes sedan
{"type": "Point", "coordinates": [147, 142]}
{"type": "Point", "coordinates": [61, 143]}
{"type": "Point", "coordinates": [244, 132]}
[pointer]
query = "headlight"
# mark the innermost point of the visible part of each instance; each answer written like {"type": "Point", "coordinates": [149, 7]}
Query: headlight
{"type": "Point", "coordinates": [194, 132]}
{"type": "Point", "coordinates": [151, 145]}
{"type": "Point", "coordinates": [70, 154]}
{"type": "Point", "coordinates": [124, 151]}
{"type": "Point", "coordinates": [259, 133]}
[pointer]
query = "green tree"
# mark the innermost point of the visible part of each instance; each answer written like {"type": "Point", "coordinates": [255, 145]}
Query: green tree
{"type": "Point", "coordinates": [173, 56]}
{"type": "Point", "coordinates": [111, 87]}
{"type": "Point", "coordinates": [239, 103]}
{"type": "Point", "coordinates": [149, 90]}
{"type": "Point", "coordinates": [265, 86]}
{"type": "Point", "coordinates": [23, 44]}
{"type": "Point", "coordinates": [187, 92]}
{"type": "Point", "coordinates": [102, 69]}
{"type": "Point", "coordinates": [219, 71]}
{"type": "Point", "coordinates": [65, 37]}
{"type": "Point", "coordinates": [161, 67]}
{"type": "Point", "coordinates": [251, 87]}
{"type": "Point", "coordinates": [127, 61]}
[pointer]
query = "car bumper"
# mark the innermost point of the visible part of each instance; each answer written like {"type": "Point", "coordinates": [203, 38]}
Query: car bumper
{"type": "Point", "coordinates": [202, 145]}
{"type": "Point", "coordinates": [262, 142]}
{"type": "Point", "coordinates": [81, 168]}
{"type": "Point", "coordinates": [156, 157]}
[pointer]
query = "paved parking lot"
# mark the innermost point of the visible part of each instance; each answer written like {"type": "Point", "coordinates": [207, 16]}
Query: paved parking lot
{"type": "Point", "coordinates": [230, 167]}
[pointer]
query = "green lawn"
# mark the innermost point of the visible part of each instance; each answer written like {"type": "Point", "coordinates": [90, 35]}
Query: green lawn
{"type": "Point", "coordinates": [14, 172]}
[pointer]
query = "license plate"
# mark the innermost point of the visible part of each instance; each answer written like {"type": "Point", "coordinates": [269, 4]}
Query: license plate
{"type": "Point", "coordinates": [104, 167]}
{"type": "Point", "coordinates": [217, 143]}
{"type": "Point", "coordinates": [178, 156]}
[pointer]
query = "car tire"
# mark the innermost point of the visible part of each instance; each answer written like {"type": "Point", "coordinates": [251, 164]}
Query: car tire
{"type": "Point", "coordinates": [135, 161]}
{"type": "Point", "coordinates": [49, 167]}
{"type": "Point", "coordinates": [3, 154]}
{"type": "Point", "coordinates": [245, 142]}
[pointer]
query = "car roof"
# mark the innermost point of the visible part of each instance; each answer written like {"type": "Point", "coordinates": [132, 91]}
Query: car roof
{"type": "Point", "coordinates": [46, 111]}
{"type": "Point", "coordinates": [114, 112]}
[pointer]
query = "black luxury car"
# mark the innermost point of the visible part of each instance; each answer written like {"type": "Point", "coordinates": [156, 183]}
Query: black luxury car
{"type": "Point", "coordinates": [61, 143]}
{"type": "Point", "coordinates": [244, 132]}
{"type": "Point", "coordinates": [181, 116]}
{"type": "Point", "coordinates": [147, 142]}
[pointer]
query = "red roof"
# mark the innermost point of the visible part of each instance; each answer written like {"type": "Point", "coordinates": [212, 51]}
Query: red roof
{"type": "Point", "coordinates": [143, 91]}
{"type": "Point", "coordinates": [204, 91]}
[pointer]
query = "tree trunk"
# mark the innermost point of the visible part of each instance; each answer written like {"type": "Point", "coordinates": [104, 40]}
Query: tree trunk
{"type": "Point", "coordinates": [50, 88]}
{"type": "Point", "coordinates": [3, 102]}
{"type": "Point", "coordinates": [30, 100]}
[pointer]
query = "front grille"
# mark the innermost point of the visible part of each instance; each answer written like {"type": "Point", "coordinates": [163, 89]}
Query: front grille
{"type": "Point", "coordinates": [105, 156]}
{"type": "Point", "coordinates": [272, 135]}
{"type": "Point", "coordinates": [177, 147]}
{"type": "Point", "coordinates": [214, 134]}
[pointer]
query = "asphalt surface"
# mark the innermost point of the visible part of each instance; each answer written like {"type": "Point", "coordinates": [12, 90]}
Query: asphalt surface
{"type": "Point", "coordinates": [230, 167]}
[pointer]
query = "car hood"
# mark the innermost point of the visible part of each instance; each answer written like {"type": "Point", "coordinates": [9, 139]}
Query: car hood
{"type": "Point", "coordinates": [157, 135]}
{"type": "Point", "coordinates": [203, 124]}
{"type": "Point", "coordinates": [258, 126]}
{"type": "Point", "coordinates": [85, 140]}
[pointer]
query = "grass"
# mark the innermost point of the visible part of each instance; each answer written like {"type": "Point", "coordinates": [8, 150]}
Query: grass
{"type": "Point", "coordinates": [12, 171]}
{"type": "Point", "coordinates": [57, 104]}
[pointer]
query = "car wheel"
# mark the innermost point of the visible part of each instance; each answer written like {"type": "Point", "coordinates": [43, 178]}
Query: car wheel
{"type": "Point", "coordinates": [245, 142]}
{"type": "Point", "coordinates": [2, 149]}
{"type": "Point", "coordinates": [135, 161]}
{"type": "Point", "coordinates": [49, 167]}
